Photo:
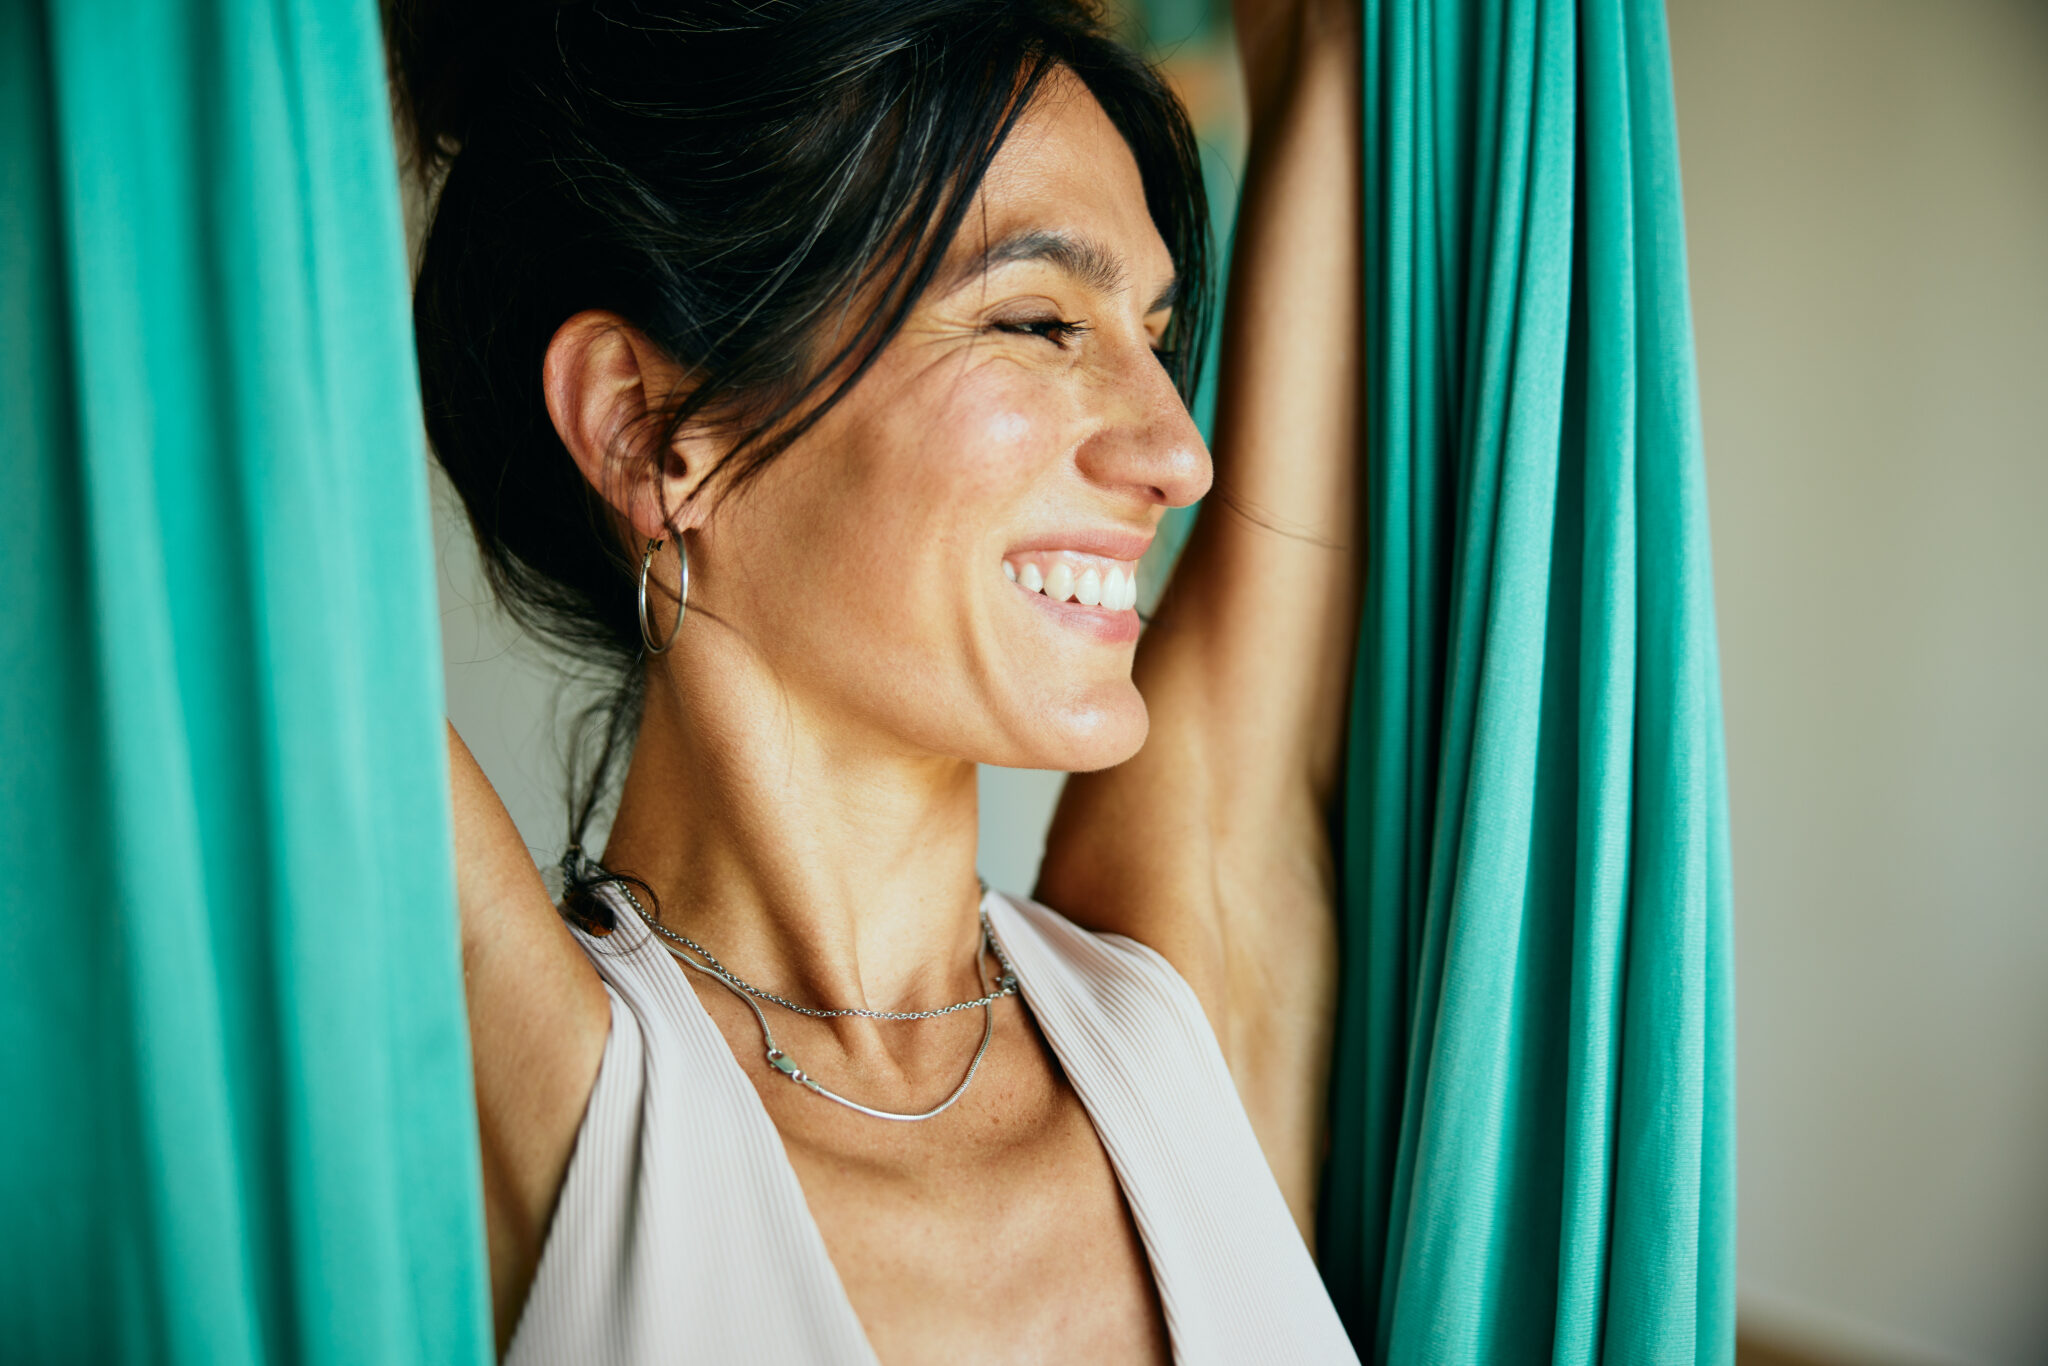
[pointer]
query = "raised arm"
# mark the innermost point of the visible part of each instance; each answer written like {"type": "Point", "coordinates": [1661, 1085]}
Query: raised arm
{"type": "Point", "coordinates": [1212, 844]}
{"type": "Point", "coordinates": [538, 1017]}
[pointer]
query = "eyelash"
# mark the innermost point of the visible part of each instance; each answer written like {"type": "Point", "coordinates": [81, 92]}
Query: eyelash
{"type": "Point", "coordinates": [1061, 331]}
{"type": "Point", "coordinates": [1058, 331]}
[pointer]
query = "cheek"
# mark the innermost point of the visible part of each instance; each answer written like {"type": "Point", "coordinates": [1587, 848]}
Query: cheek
{"type": "Point", "coordinates": [1008, 429]}
{"type": "Point", "coordinates": [992, 448]}
{"type": "Point", "coordinates": [947, 485]}
{"type": "Point", "coordinates": [889, 513]}
{"type": "Point", "coordinates": [1008, 433]}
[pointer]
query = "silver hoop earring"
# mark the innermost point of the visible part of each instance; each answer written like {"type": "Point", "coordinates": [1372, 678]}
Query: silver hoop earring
{"type": "Point", "coordinates": [682, 595]}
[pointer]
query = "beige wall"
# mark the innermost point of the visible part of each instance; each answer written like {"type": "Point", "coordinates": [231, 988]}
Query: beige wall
{"type": "Point", "coordinates": [1867, 185]}
{"type": "Point", "coordinates": [1867, 199]}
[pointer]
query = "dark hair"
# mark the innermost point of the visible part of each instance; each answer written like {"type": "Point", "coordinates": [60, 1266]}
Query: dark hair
{"type": "Point", "coordinates": [728, 176]}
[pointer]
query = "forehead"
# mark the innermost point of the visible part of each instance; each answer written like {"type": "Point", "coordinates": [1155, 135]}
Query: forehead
{"type": "Point", "coordinates": [1066, 169]}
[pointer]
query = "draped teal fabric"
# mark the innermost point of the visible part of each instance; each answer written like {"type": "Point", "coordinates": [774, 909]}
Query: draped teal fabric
{"type": "Point", "coordinates": [1532, 1143]}
{"type": "Point", "coordinates": [238, 1123]}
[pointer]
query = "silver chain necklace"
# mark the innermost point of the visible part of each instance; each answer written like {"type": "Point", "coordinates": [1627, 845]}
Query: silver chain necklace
{"type": "Point", "coordinates": [687, 951]}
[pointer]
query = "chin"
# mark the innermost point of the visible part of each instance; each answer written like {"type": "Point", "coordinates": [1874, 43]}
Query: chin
{"type": "Point", "coordinates": [1096, 735]}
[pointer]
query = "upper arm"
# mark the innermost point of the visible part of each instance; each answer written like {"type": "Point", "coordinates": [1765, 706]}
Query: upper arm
{"type": "Point", "coordinates": [1211, 845]}
{"type": "Point", "coordinates": [538, 1019]}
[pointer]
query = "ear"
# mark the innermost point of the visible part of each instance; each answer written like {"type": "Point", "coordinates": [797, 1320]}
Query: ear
{"type": "Point", "coordinates": [606, 383]}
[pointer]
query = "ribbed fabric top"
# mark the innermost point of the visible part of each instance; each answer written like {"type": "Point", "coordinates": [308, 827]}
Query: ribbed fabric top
{"type": "Point", "coordinates": [682, 1233]}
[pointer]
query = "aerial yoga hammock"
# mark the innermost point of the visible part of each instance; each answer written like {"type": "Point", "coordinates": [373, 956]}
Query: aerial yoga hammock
{"type": "Point", "coordinates": [1532, 1139]}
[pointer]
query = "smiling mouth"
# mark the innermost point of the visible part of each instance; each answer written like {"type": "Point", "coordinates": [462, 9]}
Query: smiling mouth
{"type": "Point", "coordinates": [1070, 577]}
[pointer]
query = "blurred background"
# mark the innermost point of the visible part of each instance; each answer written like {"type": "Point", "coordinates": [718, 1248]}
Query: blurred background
{"type": "Point", "coordinates": [1867, 202]}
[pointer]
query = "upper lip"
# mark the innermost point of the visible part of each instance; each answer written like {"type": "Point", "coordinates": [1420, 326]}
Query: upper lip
{"type": "Point", "coordinates": [1112, 543]}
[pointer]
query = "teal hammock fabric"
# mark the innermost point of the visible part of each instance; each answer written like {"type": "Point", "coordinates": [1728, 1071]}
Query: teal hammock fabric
{"type": "Point", "coordinates": [1532, 1138]}
{"type": "Point", "coordinates": [238, 1124]}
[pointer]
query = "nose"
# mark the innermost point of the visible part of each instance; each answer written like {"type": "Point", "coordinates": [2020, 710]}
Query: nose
{"type": "Point", "coordinates": [1148, 443]}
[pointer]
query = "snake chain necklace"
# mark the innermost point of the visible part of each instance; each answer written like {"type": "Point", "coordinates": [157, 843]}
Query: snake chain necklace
{"type": "Point", "coordinates": [689, 952]}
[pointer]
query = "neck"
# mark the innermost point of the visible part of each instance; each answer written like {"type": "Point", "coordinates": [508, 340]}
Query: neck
{"type": "Point", "coordinates": [825, 866]}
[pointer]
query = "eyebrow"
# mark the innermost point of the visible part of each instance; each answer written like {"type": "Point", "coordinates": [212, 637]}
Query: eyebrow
{"type": "Point", "coordinates": [1087, 260]}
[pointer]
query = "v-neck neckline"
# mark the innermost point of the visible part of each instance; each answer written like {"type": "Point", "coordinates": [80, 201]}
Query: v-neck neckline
{"type": "Point", "coordinates": [762, 1132]}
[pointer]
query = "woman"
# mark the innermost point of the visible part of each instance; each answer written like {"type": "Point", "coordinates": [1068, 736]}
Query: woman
{"type": "Point", "coordinates": [815, 366]}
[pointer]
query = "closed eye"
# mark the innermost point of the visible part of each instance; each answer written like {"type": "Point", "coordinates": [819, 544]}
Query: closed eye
{"type": "Point", "coordinates": [1058, 331]}
{"type": "Point", "coordinates": [1061, 331]}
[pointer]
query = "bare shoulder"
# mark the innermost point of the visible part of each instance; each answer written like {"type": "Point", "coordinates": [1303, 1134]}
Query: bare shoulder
{"type": "Point", "coordinates": [538, 1020]}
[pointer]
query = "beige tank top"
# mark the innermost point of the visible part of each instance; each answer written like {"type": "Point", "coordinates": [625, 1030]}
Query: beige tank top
{"type": "Point", "coordinates": [682, 1234]}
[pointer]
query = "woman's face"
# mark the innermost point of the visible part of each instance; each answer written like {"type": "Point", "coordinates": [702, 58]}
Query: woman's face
{"type": "Point", "coordinates": [1020, 434]}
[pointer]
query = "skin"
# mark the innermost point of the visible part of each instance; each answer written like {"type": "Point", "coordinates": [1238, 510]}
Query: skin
{"type": "Point", "coordinates": [802, 794]}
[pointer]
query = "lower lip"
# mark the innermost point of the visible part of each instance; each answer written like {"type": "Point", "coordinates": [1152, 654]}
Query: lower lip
{"type": "Point", "coordinates": [1110, 627]}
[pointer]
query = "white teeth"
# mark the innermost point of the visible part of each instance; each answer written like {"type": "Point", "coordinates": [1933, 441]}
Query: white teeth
{"type": "Point", "coordinates": [1114, 588]}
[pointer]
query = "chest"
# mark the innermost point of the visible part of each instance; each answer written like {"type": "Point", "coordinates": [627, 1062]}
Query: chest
{"type": "Point", "coordinates": [995, 1232]}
